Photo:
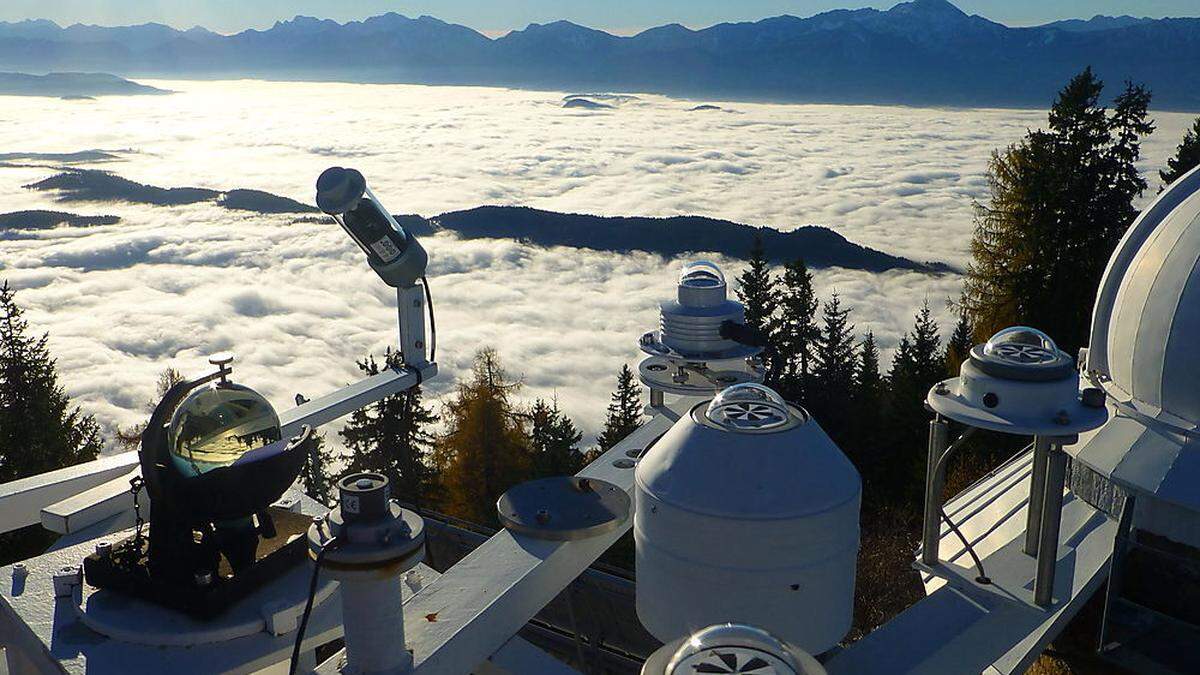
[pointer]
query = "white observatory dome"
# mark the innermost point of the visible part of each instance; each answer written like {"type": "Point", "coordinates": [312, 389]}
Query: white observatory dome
{"type": "Point", "coordinates": [747, 512]}
{"type": "Point", "coordinates": [1145, 351]}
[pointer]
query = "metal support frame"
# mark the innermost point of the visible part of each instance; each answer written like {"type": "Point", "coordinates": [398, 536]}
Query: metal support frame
{"type": "Point", "coordinates": [1037, 488]}
{"type": "Point", "coordinates": [935, 479]}
{"type": "Point", "coordinates": [1121, 546]}
{"type": "Point", "coordinates": [1047, 557]}
{"type": "Point", "coordinates": [410, 308]}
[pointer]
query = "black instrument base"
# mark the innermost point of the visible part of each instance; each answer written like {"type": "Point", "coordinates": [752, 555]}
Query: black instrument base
{"type": "Point", "coordinates": [126, 570]}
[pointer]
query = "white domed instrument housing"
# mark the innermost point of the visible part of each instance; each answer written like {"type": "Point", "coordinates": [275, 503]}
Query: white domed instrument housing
{"type": "Point", "coordinates": [747, 512]}
{"type": "Point", "coordinates": [1144, 353]}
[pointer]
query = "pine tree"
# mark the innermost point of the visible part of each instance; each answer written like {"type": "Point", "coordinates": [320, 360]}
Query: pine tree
{"type": "Point", "coordinates": [1060, 201]}
{"type": "Point", "coordinates": [798, 332]}
{"type": "Point", "coordinates": [39, 428]}
{"type": "Point", "coordinates": [390, 436]}
{"type": "Point", "coordinates": [916, 367]}
{"type": "Point", "coordinates": [834, 369]}
{"type": "Point", "coordinates": [554, 441]}
{"type": "Point", "coordinates": [316, 475]}
{"type": "Point", "coordinates": [958, 347]}
{"type": "Point", "coordinates": [866, 402]}
{"type": "Point", "coordinates": [624, 411]}
{"type": "Point", "coordinates": [1187, 157]}
{"type": "Point", "coordinates": [486, 447]}
{"type": "Point", "coordinates": [759, 294]}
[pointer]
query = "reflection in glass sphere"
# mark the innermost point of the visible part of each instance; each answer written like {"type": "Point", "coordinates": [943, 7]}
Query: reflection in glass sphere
{"type": "Point", "coordinates": [1022, 345]}
{"type": "Point", "coordinates": [701, 274]}
{"type": "Point", "coordinates": [216, 425]}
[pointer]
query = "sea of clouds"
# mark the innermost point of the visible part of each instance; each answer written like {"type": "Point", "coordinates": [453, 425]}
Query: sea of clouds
{"type": "Point", "coordinates": [298, 305]}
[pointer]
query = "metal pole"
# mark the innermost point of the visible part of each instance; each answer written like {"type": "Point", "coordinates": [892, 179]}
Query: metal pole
{"type": "Point", "coordinates": [1037, 490]}
{"type": "Point", "coordinates": [373, 617]}
{"type": "Point", "coordinates": [656, 398]}
{"type": "Point", "coordinates": [939, 433]}
{"type": "Point", "coordinates": [1047, 559]}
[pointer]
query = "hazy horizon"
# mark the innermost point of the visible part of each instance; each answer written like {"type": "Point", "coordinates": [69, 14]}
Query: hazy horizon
{"type": "Point", "coordinates": [499, 18]}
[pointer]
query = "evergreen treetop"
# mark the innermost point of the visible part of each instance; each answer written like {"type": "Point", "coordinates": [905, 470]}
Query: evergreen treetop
{"type": "Point", "coordinates": [758, 293]}
{"type": "Point", "coordinates": [624, 410]}
{"type": "Point", "coordinates": [1187, 157]}
{"type": "Point", "coordinates": [1060, 200]}
{"type": "Point", "coordinates": [390, 436]}
{"type": "Point", "coordinates": [554, 441]}
{"type": "Point", "coordinates": [39, 428]}
{"type": "Point", "coordinates": [798, 332]}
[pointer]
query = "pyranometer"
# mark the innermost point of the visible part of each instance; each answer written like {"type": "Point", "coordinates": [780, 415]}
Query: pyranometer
{"type": "Point", "coordinates": [702, 344]}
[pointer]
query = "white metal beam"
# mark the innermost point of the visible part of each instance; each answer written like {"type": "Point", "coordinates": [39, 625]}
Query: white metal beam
{"type": "Point", "coordinates": [22, 501]}
{"type": "Point", "coordinates": [467, 614]}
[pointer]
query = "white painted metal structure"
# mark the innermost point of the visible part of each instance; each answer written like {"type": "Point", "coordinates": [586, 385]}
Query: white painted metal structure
{"type": "Point", "coordinates": [747, 512]}
{"type": "Point", "coordinates": [1145, 352]}
{"type": "Point", "coordinates": [464, 621]}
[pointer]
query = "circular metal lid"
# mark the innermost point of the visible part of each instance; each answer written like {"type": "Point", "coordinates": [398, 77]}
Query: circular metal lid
{"type": "Point", "coordinates": [685, 379]}
{"type": "Point", "coordinates": [563, 508]}
{"type": "Point", "coordinates": [748, 407]}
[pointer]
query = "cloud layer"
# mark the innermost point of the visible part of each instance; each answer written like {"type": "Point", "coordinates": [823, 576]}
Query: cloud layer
{"type": "Point", "coordinates": [298, 305]}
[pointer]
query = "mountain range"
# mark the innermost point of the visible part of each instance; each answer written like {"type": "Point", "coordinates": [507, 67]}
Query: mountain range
{"type": "Point", "coordinates": [819, 246]}
{"type": "Point", "coordinates": [924, 52]}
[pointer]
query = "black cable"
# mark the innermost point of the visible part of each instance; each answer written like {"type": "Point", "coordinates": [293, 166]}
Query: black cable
{"type": "Point", "coordinates": [308, 604]}
{"type": "Point", "coordinates": [982, 577]}
{"type": "Point", "coordinates": [432, 321]}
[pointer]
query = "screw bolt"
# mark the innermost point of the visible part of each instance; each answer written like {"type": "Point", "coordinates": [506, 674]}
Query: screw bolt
{"type": "Point", "coordinates": [103, 549]}
{"type": "Point", "coordinates": [941, 389]}
{"type": "Point", "coordinates": [543, 516]}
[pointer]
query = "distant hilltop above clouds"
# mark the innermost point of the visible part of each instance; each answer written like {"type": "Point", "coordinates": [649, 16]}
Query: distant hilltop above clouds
{"type": "Point", "coordinates": [924, 52]}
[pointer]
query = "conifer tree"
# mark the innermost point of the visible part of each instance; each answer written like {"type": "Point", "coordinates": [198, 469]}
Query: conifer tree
{"type": "Point", "coordinates": [866, 402]}
{"type": "Point", "coordinates": [317, 473]}
{"type": "Point", "coordinates": [798, 332]}
{"type": "Point", "coordinates": [1060, 200]}
{"type": "Point", "coordinates": [759, 294]}
{"type": "Point", "coordinates": [916, 367]}
{"type": "Point", "coordinates": [958, 347]}
{"type": "Point", "coordinates": [390, 436]}
{"type": "Point", "coordinates": [554, 441]}
{"type": "Point", "coordinates": [39, 428]}
{"type": "Point", "coordinates": [1187, 157]}
{"type": "Point", "coordinates": [834, 369]}
{"type": "Point", "coordinates": [486, 447]}
{"type": "Point", "coordinates": [624, 411]}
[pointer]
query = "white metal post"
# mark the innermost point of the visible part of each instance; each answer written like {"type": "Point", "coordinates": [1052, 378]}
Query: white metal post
{"type": "Point", "coordinates": [1037, 490]}
{"type": "Point", "coordinates": [1047, 559]}
{"type": "Point", "coordinates": [939, 433]}
{"type": "Point", "coordinates": [373, 618]}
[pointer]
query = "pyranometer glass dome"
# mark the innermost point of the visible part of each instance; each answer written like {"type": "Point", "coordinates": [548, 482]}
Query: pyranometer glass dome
{"type": "Point", "coordinates": [748, 406]}
{"type": "Point", "coordinates": [216, 425]}
{"type": "Point", "coordinates": [1022, 345]}
{"type": "Point", "coordinates": [733, 648]}
{"type": "Point", "coordinates": [701, 274]}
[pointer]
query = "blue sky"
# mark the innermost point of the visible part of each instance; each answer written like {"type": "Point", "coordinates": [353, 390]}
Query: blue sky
{"type": "Point", "coordinates": [499, 16]}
